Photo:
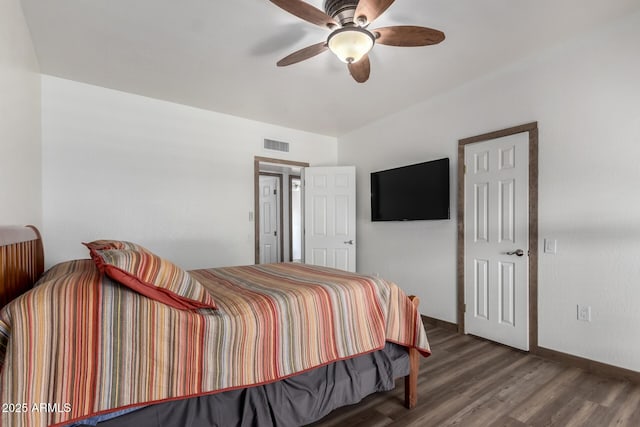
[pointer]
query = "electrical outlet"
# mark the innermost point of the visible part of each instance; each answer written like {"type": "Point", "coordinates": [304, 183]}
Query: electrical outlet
{"type": "Point", "coordinates": [584, 313]}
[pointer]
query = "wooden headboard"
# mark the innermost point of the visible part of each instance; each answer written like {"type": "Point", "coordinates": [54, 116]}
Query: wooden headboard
{"type": "Point", "coordinates": [21, 260]}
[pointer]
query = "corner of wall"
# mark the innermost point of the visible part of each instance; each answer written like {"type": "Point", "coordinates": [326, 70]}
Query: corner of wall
{"type": "Point", "coordinates": [20, 121]}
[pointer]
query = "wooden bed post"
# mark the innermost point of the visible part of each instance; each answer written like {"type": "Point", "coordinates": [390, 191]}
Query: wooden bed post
{"type": "Point", "coordinates": [411, 380]}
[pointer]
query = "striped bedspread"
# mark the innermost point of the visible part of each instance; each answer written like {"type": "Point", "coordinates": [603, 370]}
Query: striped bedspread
{"type": "Point", "coordinates": [81, 344]}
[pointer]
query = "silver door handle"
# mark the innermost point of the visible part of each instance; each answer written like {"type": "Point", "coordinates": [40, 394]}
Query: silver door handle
{"type": "Point", "coordinates": [518, 252]}
{"type": "Point", "coordinates": [349, 242]}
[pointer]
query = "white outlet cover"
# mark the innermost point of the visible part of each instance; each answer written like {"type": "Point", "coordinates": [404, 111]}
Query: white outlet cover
{"type": "Point", "coordinates": [584, 313]}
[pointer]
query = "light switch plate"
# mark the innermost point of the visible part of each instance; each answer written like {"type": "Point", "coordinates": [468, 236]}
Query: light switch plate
{"type": "Point", "coordinates": [550, 246]}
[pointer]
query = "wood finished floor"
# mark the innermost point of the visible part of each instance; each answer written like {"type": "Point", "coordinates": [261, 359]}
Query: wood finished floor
{"type": "Point", "coordinates": [472, 382]}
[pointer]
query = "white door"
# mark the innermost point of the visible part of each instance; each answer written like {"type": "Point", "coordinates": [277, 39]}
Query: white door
{"type": "Point", "coordinates": [496, 240]}
{"type": "Point", "coordinates": [269, 219]}
{"type": "Point", "coordinates": [296, 219]}
{"type": "Point", "coordinates": [330, 216]}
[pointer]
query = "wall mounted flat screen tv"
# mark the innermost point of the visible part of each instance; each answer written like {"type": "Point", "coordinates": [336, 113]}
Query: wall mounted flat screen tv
{"type": "Point", "coordinates": [411, 193]}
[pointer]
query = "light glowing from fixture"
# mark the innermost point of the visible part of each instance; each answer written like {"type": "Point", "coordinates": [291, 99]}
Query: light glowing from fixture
{"type": "Point", "coordinates": [350, 44]}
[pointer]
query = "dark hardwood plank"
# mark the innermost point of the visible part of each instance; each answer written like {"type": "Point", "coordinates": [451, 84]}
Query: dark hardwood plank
{"type": "Point", "coordinates": [473, 382]}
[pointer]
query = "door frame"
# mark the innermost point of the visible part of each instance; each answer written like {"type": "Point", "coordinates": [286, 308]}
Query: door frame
{"type": "Point", "coordinates": [280, 215]}
{"type": "Point", "coordinates": [532, 129]}
{"type": "Point", "coordinates": [257, 160]}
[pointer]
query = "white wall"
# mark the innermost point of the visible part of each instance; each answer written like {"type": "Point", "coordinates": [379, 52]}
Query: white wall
{"type": "Point", "coordinates": [20, 148]}
{"type": "Point", "coordinates": [585, 96]}
{"type": "Point", "coordinates": [176, 179]}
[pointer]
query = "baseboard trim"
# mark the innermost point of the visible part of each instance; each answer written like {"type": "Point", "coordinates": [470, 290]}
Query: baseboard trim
{"type": "Point", "coordinates": [588, 365]}
{"type": "Point", "coordinates": [453, 327]}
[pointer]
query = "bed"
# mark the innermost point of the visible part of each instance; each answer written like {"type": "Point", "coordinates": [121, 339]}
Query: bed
{"type": "Point", "coordinates": [128, 338]}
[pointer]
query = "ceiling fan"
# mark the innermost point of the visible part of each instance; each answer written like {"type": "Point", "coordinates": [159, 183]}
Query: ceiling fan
{"type": "Point", "coordinates": [350, 38]}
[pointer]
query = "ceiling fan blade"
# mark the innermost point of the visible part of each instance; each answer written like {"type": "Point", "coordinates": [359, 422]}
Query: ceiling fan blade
{"type": "Point", "coordinates": [307, 12]}
{"type": "Point", "coordinates": [371, 9]}
{"type": "Point", "coordinates": [408, 35]}
{"type": "Point", "coordinates": [360, 70]}
{"type": "Point", "coordinates": [302, 54]}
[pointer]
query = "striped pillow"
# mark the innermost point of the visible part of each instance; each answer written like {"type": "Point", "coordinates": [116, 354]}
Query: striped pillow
{"type": "Point", "coordinates": [101, 245]}
{"type": "Point", "coordinates": [154, 277]}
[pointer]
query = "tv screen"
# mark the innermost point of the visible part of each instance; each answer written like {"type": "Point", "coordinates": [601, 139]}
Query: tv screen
{"type": "Point", "coordinates": [410, 193]}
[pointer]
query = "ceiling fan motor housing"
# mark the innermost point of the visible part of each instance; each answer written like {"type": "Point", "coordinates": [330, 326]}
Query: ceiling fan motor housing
{"type": "Point", "coordinates": [342, 11]}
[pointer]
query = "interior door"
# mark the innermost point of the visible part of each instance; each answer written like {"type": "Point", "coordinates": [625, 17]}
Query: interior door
{"type": "Point", "coordinates": [269, 219]}
{"type": "Point", "coordinates": [496, 240]}
{"type": "Point", "coordinates": [295, 218]}
{"type": "Point", "coordinates": [330, 216]}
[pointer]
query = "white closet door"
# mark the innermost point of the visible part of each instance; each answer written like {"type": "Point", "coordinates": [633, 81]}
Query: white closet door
{"type": "Point", "coordinates": [497, 240]}
{"type": "Point", "coordinates": [330, 216]}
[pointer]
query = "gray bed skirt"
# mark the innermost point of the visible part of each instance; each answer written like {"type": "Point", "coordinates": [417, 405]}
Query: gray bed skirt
{"type": "Point", "coordinates": [294, 401]}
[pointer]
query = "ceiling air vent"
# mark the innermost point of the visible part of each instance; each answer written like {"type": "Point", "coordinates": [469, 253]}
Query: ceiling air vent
{"type": "Point", "coordinates": [271, 144]}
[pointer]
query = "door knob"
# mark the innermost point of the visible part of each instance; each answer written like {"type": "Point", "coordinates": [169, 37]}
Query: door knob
{"type": "Point", "coordinates": [349, 242]}
{"type": "Point", "coordinates": [518, 252]}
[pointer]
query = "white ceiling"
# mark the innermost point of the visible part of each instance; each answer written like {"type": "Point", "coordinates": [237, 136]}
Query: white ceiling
{"type": "Point", "coordinates": [221, 55]}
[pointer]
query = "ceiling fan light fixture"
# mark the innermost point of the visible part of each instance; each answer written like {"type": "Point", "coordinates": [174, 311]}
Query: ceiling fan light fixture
{"type": "Point", "coordinates": [350, 44]}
